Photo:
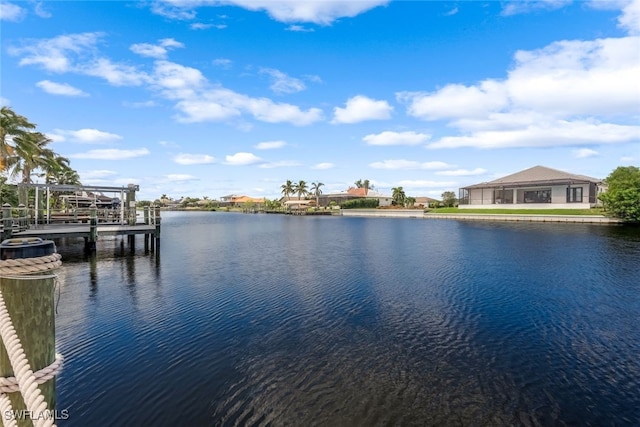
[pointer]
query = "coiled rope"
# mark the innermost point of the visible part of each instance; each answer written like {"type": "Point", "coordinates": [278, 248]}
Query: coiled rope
{"type": "Point", "coordinates": [25, 380]}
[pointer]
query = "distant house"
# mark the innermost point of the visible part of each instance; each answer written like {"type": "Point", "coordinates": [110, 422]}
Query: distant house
{"type": "Point", "coordinates": [354, 193]}
{"type": "Point", "coordinates": [235, 200]}
{"type": "Point", "coordinates": [538, 187]}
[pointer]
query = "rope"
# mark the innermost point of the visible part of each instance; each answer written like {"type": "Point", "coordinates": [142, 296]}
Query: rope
{"type": "Point", "coordinates": [10, 384]}
{"type": "Point", "coordinates": [25, 380]}
{"type": "Point", "coordinates": [31, 394]}
{"type": "Point", "coordinates": [30, 265]}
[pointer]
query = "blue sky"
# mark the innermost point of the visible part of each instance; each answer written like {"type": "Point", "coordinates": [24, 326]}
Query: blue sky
{"type": "Point", "coordinates": [210, 98]}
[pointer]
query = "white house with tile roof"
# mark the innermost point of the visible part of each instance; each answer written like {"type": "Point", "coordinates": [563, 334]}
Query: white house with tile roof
{"type": "Point", "coordinates": [538, 187]}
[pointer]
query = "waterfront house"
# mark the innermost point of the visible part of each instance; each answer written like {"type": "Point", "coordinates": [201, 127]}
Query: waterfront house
{"type": "Point", "coordinates": [538, 187]}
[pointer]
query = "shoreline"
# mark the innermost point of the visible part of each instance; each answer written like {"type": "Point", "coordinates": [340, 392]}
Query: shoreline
{"type": "Point", "coordinates": [403, 213]}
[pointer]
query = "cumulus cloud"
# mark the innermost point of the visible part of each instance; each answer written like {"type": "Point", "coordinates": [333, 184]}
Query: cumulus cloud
{"type": "Point", "coordinates": [270, 145]}
{"type": "Point", "coordinates": [158, 51]}
{"type": "Point", "coordinates": [60, 88]}
{"type": "Point", "coordinates": [282, 83]}
{"type": "Point", "coordinates": [361, 108]}
{"type": "Point", "coordinates": [196, 99]}
{"type": "Point", "coordinates": [11, 12]}
{"type": "Point", "coordinates": [288, 11]}
{"type": "Point", "coordinates": [409, 164]}
{"type": "Point", "coordinates": [193, 159]}
{"type": "Point", "coordinates": [111, 154]}
{"type": "Point", "coordinates": [87, 136]}
{"type": "Point", "coordinates": [242, 159]}
{"type": "Point", "coordinates": [396, 138]}
{"type": "Point", "coordinates": [41, 11]}
{"type": "Point", "coordinates": [515, 7]}
{"type": "Point", "coordinates": [567, 93]}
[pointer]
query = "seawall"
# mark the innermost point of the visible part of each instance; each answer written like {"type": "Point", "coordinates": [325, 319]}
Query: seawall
{"type": "Point", "coordinates": [418, 213]}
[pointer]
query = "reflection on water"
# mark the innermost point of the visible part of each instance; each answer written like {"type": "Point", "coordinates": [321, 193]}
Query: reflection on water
{"type": "Point", "coordinates": [277, 320]}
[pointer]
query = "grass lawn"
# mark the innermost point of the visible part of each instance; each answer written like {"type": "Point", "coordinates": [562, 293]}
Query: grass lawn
{"type": "Point", "coordinates": [596, 211]}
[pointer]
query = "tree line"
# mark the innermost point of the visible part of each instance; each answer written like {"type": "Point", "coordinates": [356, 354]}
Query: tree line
{"type": "Point", "coordinates": [25, 152]}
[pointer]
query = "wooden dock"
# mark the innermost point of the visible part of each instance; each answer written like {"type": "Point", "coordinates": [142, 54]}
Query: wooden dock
{"type": "Point", "coordinates": [90, 227]}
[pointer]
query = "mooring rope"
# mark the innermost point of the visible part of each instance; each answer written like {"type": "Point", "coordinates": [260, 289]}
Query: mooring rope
{"type": "Point", "coordinates": [25, 380]}
{"type": "Point", "coordinates": [30, 265]}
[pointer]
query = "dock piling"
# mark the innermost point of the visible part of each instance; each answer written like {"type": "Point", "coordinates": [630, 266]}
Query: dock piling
{"type": "Point", "coordinates": [27, 298]}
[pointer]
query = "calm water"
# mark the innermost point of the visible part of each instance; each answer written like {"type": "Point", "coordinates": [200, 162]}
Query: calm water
{"type": "Point", "coordinates": [277, 320]}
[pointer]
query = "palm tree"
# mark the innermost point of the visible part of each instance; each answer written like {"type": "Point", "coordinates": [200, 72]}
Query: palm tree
{"type": "Point", "coordinates": [366, 184]}
{"type": "Point", "coordinates": [301, 189]}
{"type": "Point", "coordinates": [31, 154]}
{"type": "Point", "coordinates": [287, 189]}
{"type": "Point", "coordinates": [398, 196]}
{"type": "Point", "coordinates": [316, 191]}
{"type": "Point", "coordinates": [12, 125]}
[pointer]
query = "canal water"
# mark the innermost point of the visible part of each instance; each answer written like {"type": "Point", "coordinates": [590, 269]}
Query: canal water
{"type": "Point", "coordinates": [335, 321]}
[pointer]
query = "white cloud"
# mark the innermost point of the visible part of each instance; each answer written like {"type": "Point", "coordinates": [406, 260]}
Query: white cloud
{"type": "Point", "coordinates": [462, 172]}
{"type": "Point", "coordinates": [282, 83]}
{"type": "Point", "coordinates": [455, 101]}
{"type": "Point", "coordinates": [323, 166]}
{"type": "Point", "coordinates": [57, 54]}
{"type": "Point", "coordinates": [361, 108]}
{"type": "Point", "coordinates": [299, 29]}
{"type": "Point", "coordinates": [200, 26]}
{"type": "Point", "coordinates": [551, 134]}
{"type": "Point", "coordinates": [318, 12]}
{"type": "Point", "coordinates": [158, 51]}
{"type": "Point", "coordinates": [11, 12]}
{"type": "Point", "coordinates": [181, 177]}
{"type": "Point", "coordinates": [409, 164]}
{"type": "Point", "coordinates": [60, 88]}
{"type": "Point", "coordinates": [193, 159]}
{"type": "Point", "coordinates": [270, 145]}
{"type": "Point", "coordinates": [627, 159]}
{"type": "Point", "coordinates": [280, 164]}
{"type": "Point", "coordinates": [197, 100]}
{"type": "Point", "coordinates": [396, 138]}
{"type": "Point", "coordinates": [630, 17]}
{"type": "Point", "coordinates": [567, 93]}
{"type": "Point", "coordinates": [111, 154]}
{"type": "Point", "coordinates": [41, 11]}
{"type": "Point", "coordinates": [88, 136]}
{"type": "Point", "coordinates": [583, 153]}
{"type": "Point", "coordinates": [241, 159]}
{"type": "Point", "coordinates": [452, 12]}
{"type": "Point", "coordinates": [515, 7]}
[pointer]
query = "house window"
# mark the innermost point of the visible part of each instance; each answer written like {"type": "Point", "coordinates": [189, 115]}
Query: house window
{"type": "Point", "coordinates": [574, 195]}
{"type": "Point", "coordinates": [503, 196]}
{"type": "Point", "coordinates": [537, 196]}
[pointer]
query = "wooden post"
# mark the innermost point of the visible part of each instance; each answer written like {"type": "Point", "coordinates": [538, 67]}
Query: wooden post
{"type": "Point", "coordinates": [22, 217]}
{"type": "Point", "coordinates": [146, 235]}
{"type": "Point", "coordinates": [90, 244]}
{"type": "Point", "coordinates": [29, 300]}
{"type": "Point", "coordinates": [157, 233]}
{"type": "Point", "coordinates": [7, 221]}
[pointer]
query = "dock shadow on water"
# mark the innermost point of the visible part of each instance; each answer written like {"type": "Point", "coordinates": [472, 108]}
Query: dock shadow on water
{"type": "Point", "coordinates": [329, 321]}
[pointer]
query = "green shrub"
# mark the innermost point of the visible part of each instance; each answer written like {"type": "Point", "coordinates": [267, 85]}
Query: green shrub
{"type": "Point", "coordinates": [360, 203]}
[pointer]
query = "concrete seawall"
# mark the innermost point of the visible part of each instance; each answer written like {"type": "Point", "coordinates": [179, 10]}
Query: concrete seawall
{"type": "Point", "coordinates": [417, 213]}
{"type": "Point", "coordinates": [385, 213]}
